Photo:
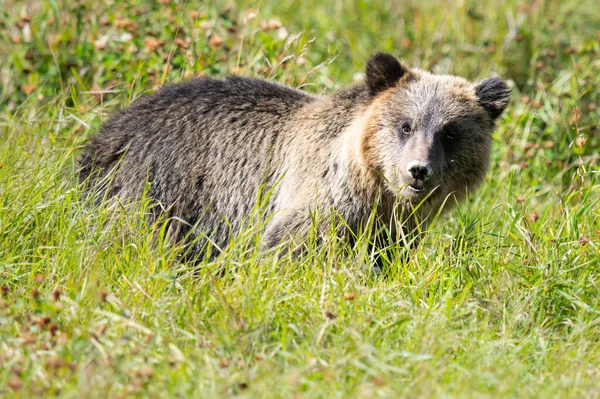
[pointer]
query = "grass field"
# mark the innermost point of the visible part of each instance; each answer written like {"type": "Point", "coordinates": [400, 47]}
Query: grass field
{"type": "Point", "coordinates": [502, 299]}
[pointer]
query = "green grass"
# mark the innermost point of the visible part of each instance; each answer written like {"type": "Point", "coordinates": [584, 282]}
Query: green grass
{"type": "Point", "coordinates": [502, 299]}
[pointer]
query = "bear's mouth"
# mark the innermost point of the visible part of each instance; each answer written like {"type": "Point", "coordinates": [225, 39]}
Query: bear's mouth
{"type": "Point", "coordinates": [416, 188]}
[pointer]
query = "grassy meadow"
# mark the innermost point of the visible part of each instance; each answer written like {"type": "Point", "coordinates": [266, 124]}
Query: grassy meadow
{"type": "Point", "coordinates": [502, 299]}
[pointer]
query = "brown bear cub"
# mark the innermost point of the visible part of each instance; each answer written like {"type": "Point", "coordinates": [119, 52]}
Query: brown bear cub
{"type": "Point", "coordinates": [401, 142]}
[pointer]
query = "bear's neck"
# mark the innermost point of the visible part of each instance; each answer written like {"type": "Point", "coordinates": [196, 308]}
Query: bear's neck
{"type": "Point", "coordinates": [353, 96]}
{"type": "Point", "coordinates": [358, 147]}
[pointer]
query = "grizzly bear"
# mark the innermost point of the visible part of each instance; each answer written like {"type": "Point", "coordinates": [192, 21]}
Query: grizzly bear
{"type": "Point", "coordinates": [399, 144]}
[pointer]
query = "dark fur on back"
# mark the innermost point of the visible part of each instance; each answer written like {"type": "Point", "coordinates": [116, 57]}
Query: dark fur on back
{"type": "Point", "coordinates": [207, 146]}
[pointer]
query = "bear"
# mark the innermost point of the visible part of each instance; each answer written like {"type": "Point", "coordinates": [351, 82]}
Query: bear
{"type": "Point", "coordinates": [402, 143]}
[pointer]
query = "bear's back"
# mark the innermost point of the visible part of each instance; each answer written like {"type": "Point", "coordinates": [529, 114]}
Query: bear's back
{"type": "Point", "coordinates": [205, 147]}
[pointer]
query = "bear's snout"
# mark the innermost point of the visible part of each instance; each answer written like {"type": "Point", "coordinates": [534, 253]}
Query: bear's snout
{"type": "Point", "coordinates": [419, 170]}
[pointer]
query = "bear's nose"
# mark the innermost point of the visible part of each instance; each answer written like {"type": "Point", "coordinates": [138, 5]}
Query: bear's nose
{"type": "Point", "coordinates": [419, 170]}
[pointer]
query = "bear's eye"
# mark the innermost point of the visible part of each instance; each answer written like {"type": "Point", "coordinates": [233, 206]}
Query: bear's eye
{"type": "Point", "coordinates": [449, 134]}
{"type": "Point", "coordinates": [406, 128]}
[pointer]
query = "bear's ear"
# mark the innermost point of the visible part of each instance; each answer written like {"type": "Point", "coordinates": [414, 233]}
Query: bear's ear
{"type": "Point", "coordinates": [383, 71]}
{"type": "Point", "coordinates": [493, 95]}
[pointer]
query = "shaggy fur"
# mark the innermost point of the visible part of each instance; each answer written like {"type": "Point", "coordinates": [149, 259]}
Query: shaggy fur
{"type": "Point", "coordinates": [207, 146]}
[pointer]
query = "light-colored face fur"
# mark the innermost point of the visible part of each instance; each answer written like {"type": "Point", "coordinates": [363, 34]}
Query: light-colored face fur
{"type": "Point", "coordinates": [429, 136]}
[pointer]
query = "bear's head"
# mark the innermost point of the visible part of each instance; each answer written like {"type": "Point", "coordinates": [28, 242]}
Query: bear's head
{"type": "Point", "coordinates": [428, 136]}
